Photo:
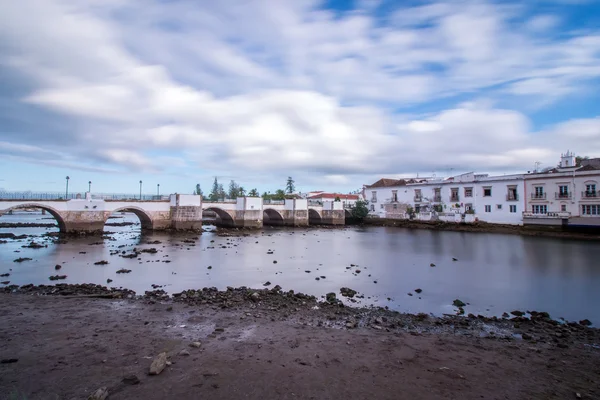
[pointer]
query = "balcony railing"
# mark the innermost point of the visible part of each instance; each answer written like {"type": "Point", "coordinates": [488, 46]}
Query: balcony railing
{"type": "Point", "coordinates": [538, 196]}
{"type": "Point", "coordinates": [418, 199]}
{"type": "Point", "coordinates": [562, 195]}
{"type": "Point", "coordinates": [437, 198]}
{"type": "Point", "coordinates": [562, 214]}
{"type": "Point", "coordinates": [454, 197]}
{"type": "Point", "coordinates": [512, 197]}
{"type": "Point", "coordinates": [590, 195]}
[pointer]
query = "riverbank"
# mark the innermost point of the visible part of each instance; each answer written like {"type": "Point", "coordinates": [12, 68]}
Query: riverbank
{"type": "Point", "coordinates": [272, 344]}
{"type": "Point", "coordinates": [484, 227]}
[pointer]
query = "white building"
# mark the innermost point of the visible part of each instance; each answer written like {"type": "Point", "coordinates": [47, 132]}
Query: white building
{"type": "Point", "coordinates": [565, 195]}
{"type": "Point", "coordinates": [463, 198]}
{"type": "Point", "coordinates": [347, 200]}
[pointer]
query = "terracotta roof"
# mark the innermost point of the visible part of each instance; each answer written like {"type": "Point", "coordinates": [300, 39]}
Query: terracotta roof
{"type": "Point", "coordinates": [334, 195]}
{"type": "Point", "coordinates": [589, 167]}
{"type": "Point", "coordinates": [386, 182]}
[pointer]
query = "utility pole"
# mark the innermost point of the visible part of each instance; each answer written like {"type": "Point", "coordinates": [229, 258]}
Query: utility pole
{"type": "Point", "coordinates": [67, 189]}
{"type": "Point", "coordinates": [140, 189]}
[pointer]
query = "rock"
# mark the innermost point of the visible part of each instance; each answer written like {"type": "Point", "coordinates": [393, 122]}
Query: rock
{"type": "Point", "coordinates": [57, 277]}
{"type": "Point", "coordinates": [347, 292]}
{"type": "Point", "coordinates": [21, 259]}
{"type": "Point", "coordinates": [585, 322]}
{"type": "Point", "coordinates": [357, 271]}
{"type": "Point", "coordinates": [331, 297]}
{"type": "Point", "coordinates": [123, 271]}
{"type": "Point", "coordinates": [418, 290]}
{"type": "Point", "coordinates": [526, 336]}
{"type": "Point", "coordinates": [9, 361]}
{"type": "Point", "coordinates": [274, 261]}
{"type": "Point", "coordinates": [131, 379]}
{"type": "Point", "coordinates": [209, 267]}
{"type": "Point", "coordinates": [505, 315]}
{"type": "Point", "coordinates": [103, 262]}
{"type": "Point", "coordinates": [376, 327]}
{"type": "Point", "coordinates": [458, 303]}
{"type": "Point", "coordinates": [196, 345]}
{"type": "Point", "coordinates": [350, 324]}
{"type": "Point", "coordinates": [432, 265]}
{"type": "Point", "coordinates": [109, 280]}
{"type": "Point", "coordinates": [255, 296]}
{"type": "Point", "coordinates": [517, 313]}
{"type": "Point", "coordinates": [5, 282]}
{"type": "Point", "coordinates": [454, 259]}
{"type": "Point", "coordinates": [57, 267]}
{"type": "Point", "coordinates": [170, 308]}
{"type": "Point", "coordinates": [184, 352]}
{"type": "Point", "coordinates": [379, 320]}
{"type": "Point", "coordinates": [159, 364]}
{"type": "Point", "coordinates": [267, 283]}
{"type": "Point", "coordinates": [100, 394]}
{"type": "Point", "coordinates": [5, 275]}
{"type": "Point", "coordinates": [410, 294]}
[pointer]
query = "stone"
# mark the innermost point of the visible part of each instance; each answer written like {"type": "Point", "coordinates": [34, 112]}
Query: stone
{"type": "Point", "coordinates": [57, 267]}
{"type": "Point", "coordinates": [410, 294]}
{"type": "Point", "coordinates": [123, 271]}
{"type": "Point", "coordinates": [454, 259]}
{"type": "Point", "coordinates": [100, 394]}
{"type": "Point", "coordinates": [109, 280]}
{"type": "Point", "coordinates": [184, 352]}
{"type": "Point", "coordinates": [102, 262]}
{"type": "Point", "coordinates": [517, 313]}
{"type": "Point", "coordinates": [526, 336]}
{"type": "Point", "coordinates": [350, 325]}
{"type": "Point", "coordinates": [585, 322]}
{"type": "Point", "coordinates": [458, 303]}
{"type": "Point", "coordinates": [432, 265]}
{"type": "Point", "coordinates": [505, 315]}
{"type": "Point", "coordinates": [347, 292]}
{"type": "Point", "coordinates": [418, 290]}
{"type": "Point", "coordinates": [331, 297]}
{"type": "Point", "coordinates": [267, 283]}
{"type": "Point", "coordinates": [57, 277]}
{"type": "Point", "coordinates": [131, 379]}
{"type": "Point", "coordinates": [158, 364]}
{"type": "Point", "coordinates": [196, 345]}
{"type": "Point", "coordinates": [255, 296]}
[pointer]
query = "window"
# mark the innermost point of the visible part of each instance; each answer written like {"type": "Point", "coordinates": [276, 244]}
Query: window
{"type": "Point", "coordinates": [468, 207]}
{"type": "Point", "coordinates": [563, 191]}
{"type": "Point", "coordinates": [488, 208]}
{"type": "Point", "coordinates": [373, 197]}
{"type": "Point", "coordinates": [499, 206]}
{"type": "Point", "coordinates": [563, 207]}
{"type": "Point", "coordinates": [539, 192]}
{"type": "Point", "coordinates": [539, 209]}
{"type": "Point", "coordinates": [590, 190]}
{"type": "Point", "coordinates": [394, 196]}
{"type": "Point", "coordinates": [395, 206]}
{"type": "Point", "coordinates": [590, 209]}
{"type": "Point", "coordinates": [372, 207]}
{"type": "Point", "coordinates": [454, 194]}
{"type": "Point", "coordinates": [418, 195]}
{"type": "Point", "coordinates": [487, 192]}
{"type": "Point", "coordinates": [436, 195]}
{"type": "Point", "coordinates": [381, 206]}
{"type": "Point", "coordinates": [513, 208]}
{"type": "Point", "coordinates": [468, 192]}
{"type": "Point", "coordinates": [512, 194]}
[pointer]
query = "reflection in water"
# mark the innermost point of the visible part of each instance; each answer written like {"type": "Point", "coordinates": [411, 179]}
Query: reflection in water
{"type": "Point", "coordinates": [494, 272]}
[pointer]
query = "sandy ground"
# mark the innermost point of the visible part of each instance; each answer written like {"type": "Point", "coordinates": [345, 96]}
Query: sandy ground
{"type": "Point", "coordinates": [68, 348]}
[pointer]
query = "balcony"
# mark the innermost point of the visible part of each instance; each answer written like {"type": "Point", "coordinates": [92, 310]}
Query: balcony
{"type": "Point", "coordinates": [418, 199]}
{"type": "Point", "coordinates": [454, 197]}
{"type": "Point", "coordinates": [437, 198]}
{"type": "Point", "coordinates": [538, 196]}
{"type": "Point", "coordinates": [562, 196]}
{"type": "Point", "coordinates": [548, 215]}
{"type": "Point", "coordinates": [590, 195]}
{"type": "Point", "coordinates": [512, 197]}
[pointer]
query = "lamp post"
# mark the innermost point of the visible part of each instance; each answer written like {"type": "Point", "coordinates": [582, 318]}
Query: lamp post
{"type": "Point", "coordinates": [140, 189]}
{"type": "Point", "coordinates": [90, 186]}
{"type": "Point", "coordinates": [158, 190]}
{"type": "Point", "coordinates": [67, 189]}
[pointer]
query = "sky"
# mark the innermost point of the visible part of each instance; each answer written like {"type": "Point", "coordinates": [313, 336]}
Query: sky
{"type": "Point", "coordinates": [334, 93]}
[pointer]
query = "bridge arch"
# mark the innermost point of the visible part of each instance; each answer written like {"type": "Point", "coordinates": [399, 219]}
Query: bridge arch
{"type": "Point", "coordinates": [314, 218]}
{"type": "Point", "coordinates": [62, 226]}
{"type": "Point", "coordinates": [272, 217]}
{"type": "Point", "coordinates": [224, 219]}
{"type": "Point", "coordinates": [145, 219]}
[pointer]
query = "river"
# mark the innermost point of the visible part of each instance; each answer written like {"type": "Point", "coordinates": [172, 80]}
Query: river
{"type": "Point", "coordinates": [493, 273]}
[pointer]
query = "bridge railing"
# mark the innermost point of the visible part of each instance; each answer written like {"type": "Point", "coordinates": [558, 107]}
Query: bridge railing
{"type": "Point", "coordinates": [273, 202]}
{"type": "Point", "coordinates": [130, 197]}
{"type": "Point", "coordinates": [28, 195]}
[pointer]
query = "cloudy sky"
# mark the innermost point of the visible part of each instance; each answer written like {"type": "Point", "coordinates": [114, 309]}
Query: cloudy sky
{"type": "Point", "coordinates": [334, 93]}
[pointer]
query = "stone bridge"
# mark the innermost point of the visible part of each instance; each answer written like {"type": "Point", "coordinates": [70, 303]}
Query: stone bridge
{"type": "Point", "coordinates": [182, 212]}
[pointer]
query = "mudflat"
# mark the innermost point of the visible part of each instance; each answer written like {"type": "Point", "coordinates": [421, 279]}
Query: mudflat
{"type": "Point", "coordinates": [68, 347]}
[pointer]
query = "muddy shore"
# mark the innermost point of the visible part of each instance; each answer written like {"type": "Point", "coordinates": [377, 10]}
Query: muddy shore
{"type": "Point", "coordinates": [67, 341]}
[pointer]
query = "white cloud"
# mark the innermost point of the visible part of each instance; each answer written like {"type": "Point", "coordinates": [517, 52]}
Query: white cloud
{"type": "Point", "coordinates": [267, 86]}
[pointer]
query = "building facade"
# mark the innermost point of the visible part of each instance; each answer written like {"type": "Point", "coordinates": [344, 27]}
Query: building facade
{"type": "Point", "coordinates": [348, 200]}
{"type": "Point", "coordinates": [565, 195]}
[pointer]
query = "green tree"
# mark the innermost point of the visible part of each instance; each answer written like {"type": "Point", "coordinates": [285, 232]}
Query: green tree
{"type": "Point", "coordinates": [214, 193]}
{"type": "Point", "coordinates": [198, 190]}
{"type": "Point", "coordinates": [221, 194]}
{"type": "Point", "coordinates": [578, 160]}
{"type": "Point", "coordinates": [337, 198]}
{"type": "Point", "coordinates": [360, 210]}
{"type": "Point", "coordinates": [233, 190]}
{"type": "Point", "coordinates": [279, 195]}
{"type": "Point", "coordinates": [266, 196]}
{"type": "Point", "coordinates": [241, 191]}
{"type": "Point", "coordinates": [289, 185]}
{"type": "Point", "coordinates": [253, 193]}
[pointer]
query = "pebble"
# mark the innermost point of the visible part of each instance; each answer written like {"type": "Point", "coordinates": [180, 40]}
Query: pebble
{"type": "Point", "coordinates": [196, 345]}
{"type": "Point", "coordinates": [184, 352]}
{"type": "Point", "coordinates": [100, 394]}
{"type": "Point", "coordinates": [131, 379]}
{"type": "Point", "coordinates": [159, 364]}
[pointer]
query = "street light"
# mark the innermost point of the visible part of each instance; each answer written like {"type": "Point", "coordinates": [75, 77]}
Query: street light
{"type": "Point", "coordinates": [67, 189]}
{"type": "Point", "coordinates": [90, 186]}
{"type": "Point", "coordinates": [158, 190]}
{"type": "Point", "coordinates": [140, 189]}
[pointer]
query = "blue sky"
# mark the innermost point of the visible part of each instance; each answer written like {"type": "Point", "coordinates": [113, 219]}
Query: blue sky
{"type": "Point", "coordinates": [334, 93]}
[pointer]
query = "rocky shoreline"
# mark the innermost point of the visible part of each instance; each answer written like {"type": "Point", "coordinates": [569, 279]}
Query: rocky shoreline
{"type": "Point", "coordinates": [533, 326]}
